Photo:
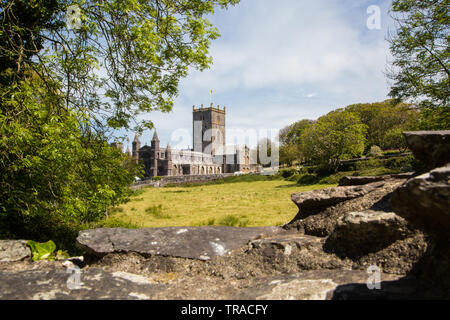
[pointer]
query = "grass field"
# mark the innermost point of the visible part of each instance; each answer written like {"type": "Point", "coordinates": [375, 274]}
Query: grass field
{"type": "Point", "coordinates": [244, 204]}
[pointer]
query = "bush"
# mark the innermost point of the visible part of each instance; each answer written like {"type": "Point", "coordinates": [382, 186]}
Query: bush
{"type": "Point", "coordinates": [310, 170]}
{"type": "Point", "coordinates": [308, 179]}
{"type": "Point", "coordinates": [375, 151]}
{"type": "Point", "coordinates": [233, 221]}
{"type": "Point", "coordinates": [333, 179]}
{"type": "Point", "coordinates": [157, 212]}
{"type": "Point", "coordinates": [289, 172]}
{"type": "Point", "coordinates": [294, 178]}
{"type": "Point", "coordinates": [408, 163]}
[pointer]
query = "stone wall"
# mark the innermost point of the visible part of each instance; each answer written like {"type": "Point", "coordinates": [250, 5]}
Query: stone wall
{"type": "Point", "coordinates": [179, 180]}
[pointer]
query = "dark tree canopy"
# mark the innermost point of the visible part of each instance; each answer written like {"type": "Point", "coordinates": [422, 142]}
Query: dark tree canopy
{"type": "Point", "coordinates": [126, 58]}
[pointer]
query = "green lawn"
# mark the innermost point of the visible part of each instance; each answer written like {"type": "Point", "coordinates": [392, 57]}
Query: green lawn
{"type": "Point", "coordinates": [246, 204]}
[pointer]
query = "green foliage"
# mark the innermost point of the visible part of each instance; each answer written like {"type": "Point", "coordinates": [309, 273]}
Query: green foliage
{"type": "Point", "coordinates": [55, 176]}
{"type": "Point", "coordinates": [420, 47]}
{"type": "Point", "coordinates": [143, 48]}
{"type": "Point", "coordinates": [380, 117]}
{"type": "Point", "coordinates": [434, 118]}
{"type": "Point", "coordinates": [375, 151]}
{"type": "Point", "coordinates": [308, 179]}
{"type": "Point", "coordinates": [57, 171]}
{"type": "Point", "coordinates": [48, 165]}
{"type": "Point", "coordinates": [365, 168]}
{"type": "Point", "coordinates": [111, 223]}
{"type": "Point", "coordinates": [290, 141]}
{"type": "Point", "coordinates": [394, 139]}
{"type": "Point", "coordinates": [157, 212]}
{"type": "Point", "coordinates": [288, 172]}
{"type": "Point", "coordinates": [210, 222]}
{"type": "Point", "coordinates": [337, 136]}
{"type": "Point", "coordinates": [156, 178]}
{"type": "Point", "coordinates": [383, 125]}
{"type": "Point", "coordinates": [46, 251]}
{"type": "Point", "coordinates": [233, 221]}
{"type": "Point", "coordinates": [42, 251]}
{"type": "Point", "coordinates": [289, 153]}
{"type": "Point", "coordinates": [404, 164]}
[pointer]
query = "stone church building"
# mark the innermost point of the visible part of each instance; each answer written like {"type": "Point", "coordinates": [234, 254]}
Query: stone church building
{"type": "Point", "coordinates": [209, 156]}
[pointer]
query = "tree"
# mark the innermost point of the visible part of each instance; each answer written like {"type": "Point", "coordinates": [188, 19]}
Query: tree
{"type": "Point", "coordinates": [289, 153]}
{"type": "Point", "coordinates": [291, 134]}
{"type": "Point", "coordinates": [54, 176]}
{"type": "Point", "coordinates": [290, 141]}
{"type": "Point", "coordinates": [63, 91]}
{"type": "Point", "coordinates": [420, 46]}
{"type": "Point", "coordinates": [394, 139]}
{"type": "Point", "coordinates": [336, 136]}
{"type": "Point", "coordinates": [380, 117]}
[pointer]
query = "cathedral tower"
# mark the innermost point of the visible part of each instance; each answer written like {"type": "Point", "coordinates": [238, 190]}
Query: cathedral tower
{"type": "Point", "coordinates": [209, 129]}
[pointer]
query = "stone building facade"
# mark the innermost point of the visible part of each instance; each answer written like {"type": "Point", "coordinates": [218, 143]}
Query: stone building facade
{"type": "Point", "coordinates": [209, 156]}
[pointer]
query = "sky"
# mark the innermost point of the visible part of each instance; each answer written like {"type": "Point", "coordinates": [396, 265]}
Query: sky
{"type": "Point", "coordinates": [280, 61]}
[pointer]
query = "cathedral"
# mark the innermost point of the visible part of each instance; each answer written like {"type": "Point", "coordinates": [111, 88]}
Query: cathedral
{"type": "Point", "coordinates": [210, 154]}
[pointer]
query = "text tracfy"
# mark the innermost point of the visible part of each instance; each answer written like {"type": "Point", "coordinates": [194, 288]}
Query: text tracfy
{"type": "Point", "coordinates": [230, 309]}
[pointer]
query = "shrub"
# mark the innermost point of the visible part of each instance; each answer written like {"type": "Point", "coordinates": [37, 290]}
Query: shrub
{"type": "Point", "coordinates": [332, 179]}
{"type": "Point", "coordinates": [294, 178]}
{"type": "Point", "coordinates": [308, 179]}
{"type": "Point", "coordinates": [289, 172]}
{"type": "Point", "coordinates": [408, 163]}
{"type": "Point", "coordinates": [233, 221]}
{"type": "Point", "coordinates": [375, 151]}
{"type": "Point", "coordinates": [367, 164]}
{"type": "Point", "coordinates": [394, 139]}
{"type": "Point", "coordinates": [157, 212]}
{"type": "Point", "coordinates": [113, 223]}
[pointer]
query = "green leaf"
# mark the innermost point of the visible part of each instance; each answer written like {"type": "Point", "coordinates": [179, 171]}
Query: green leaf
{"type": "Point", "coordinates": [42, 251]}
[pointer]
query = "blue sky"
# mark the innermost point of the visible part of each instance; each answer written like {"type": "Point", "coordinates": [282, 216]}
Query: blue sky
{"type": "Point", "coordinates": [281, 61]}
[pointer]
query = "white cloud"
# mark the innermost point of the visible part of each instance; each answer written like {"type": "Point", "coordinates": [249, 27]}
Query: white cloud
{"type": "Point", "coordinates": [310, 95]}
{"type": "Point", "coordinates": [290, 43]}
{"type": "Point", "coordinates": [275, 56]}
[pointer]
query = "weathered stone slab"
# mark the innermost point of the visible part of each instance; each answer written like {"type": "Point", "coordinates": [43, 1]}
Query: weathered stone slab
{"type": "Point", "coordinates": [97, 284]}
{"type": "Point", "coordinates": [430, 147]}
{"type": "Point", "coordinates": [312, 202]}
{"type": "Point", "coordinates": [360, 233]}
{"type": "Point", "coordinates": [359, 180]}
{"type": "Point", "coordinates": [323, 285]}
{"type": "Point", "coordinates": [362, 180]}
{"type": "Point", "coordinates": [14, 250]}
{"type": "Point", "coordinates": [94, 284]}
{"type": "Point", "coordinates": [286, 242]}
{"type": "Point", "coordinates": [425, 201]}
{"type": "Point", "coordinates": [201, 243]}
